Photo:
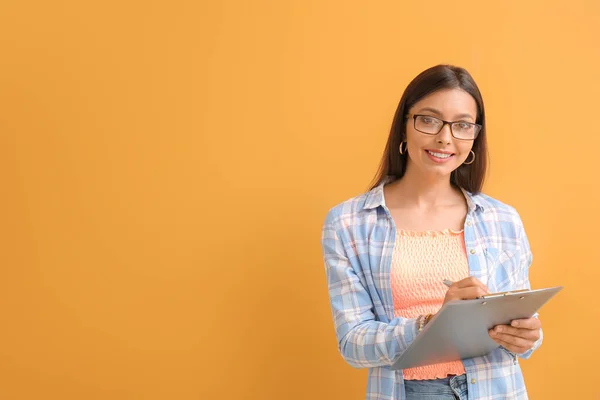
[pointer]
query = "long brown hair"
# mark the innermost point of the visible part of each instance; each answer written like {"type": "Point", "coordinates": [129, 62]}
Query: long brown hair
{"type": "Point", "coordinates": [469, 177]}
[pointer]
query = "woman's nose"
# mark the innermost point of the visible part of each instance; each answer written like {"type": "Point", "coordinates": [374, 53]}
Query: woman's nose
{"type": "Point", "coordinates": [445, 135]}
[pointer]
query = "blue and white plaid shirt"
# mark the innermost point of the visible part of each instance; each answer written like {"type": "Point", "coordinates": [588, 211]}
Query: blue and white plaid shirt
{"type": "Point", "coordinates": [358, 240]}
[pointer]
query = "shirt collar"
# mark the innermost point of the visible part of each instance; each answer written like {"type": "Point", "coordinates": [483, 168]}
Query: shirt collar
{"type": "Point", "coordinates": [375, 198]}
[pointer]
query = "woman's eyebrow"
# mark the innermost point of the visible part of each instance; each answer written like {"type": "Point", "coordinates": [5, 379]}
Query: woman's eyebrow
{"type": "Point", "coordinates": [439, 114]}
{"type": "Point", "coordinates": [459, 116]}
{"type": "Point", "coordinates": [431, 110]}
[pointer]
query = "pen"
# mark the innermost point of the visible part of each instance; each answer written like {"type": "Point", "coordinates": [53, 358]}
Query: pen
{"type": "Point", "coordinates": [449, 283]}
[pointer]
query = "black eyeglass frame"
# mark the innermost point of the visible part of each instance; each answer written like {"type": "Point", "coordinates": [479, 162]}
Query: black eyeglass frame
{"type": "Point", "coordinates": [415, 116]}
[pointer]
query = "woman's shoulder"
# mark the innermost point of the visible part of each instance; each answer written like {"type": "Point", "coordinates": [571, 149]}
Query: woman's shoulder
{"type": "Point", "coordinates": [355, 208]}
{"type": "Point", "coordinates": [492, 208]}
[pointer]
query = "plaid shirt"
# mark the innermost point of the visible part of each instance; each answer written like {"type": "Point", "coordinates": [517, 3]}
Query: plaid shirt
{"type": "Point", "coordinates": [358, 240]}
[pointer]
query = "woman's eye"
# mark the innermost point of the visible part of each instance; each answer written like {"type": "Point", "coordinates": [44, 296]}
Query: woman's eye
{"type": "Point", "coordinates": [464, 125]}
{"type": "Point", "coordinates": [427, 120]}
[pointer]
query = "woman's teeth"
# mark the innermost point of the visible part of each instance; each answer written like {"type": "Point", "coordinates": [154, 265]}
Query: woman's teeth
{"type": "Point", "coordinates": [439, 155]}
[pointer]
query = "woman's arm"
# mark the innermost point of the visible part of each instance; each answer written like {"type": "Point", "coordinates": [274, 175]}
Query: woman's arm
{"type": "Point", "coordinates": [525, 263]}
{"type": "Point", "coordinates": [362, 341]}
{"type": "Point", "coordinates": [524, 336]}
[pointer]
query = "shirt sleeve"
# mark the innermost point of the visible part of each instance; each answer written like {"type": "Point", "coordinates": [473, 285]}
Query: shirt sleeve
{"type": "Point", "coordinates": [363, 341]}
{"type": "Point", "coordinates": [525, 260]}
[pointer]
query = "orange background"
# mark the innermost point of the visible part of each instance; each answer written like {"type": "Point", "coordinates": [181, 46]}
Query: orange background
{"type": "Point", "coordinates": [166, 167]}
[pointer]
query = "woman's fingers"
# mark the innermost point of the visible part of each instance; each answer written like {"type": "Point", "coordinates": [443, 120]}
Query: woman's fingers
{"type": "Point", "coordinates": [512, 347]}
{"type": "Point", "coordinates": [467, 293]}
{"type": "Point", "coordinates": [527, 323]}
{"type": "Point", "coordinates": [471, 282]}
{"type": "Point", "coordinates": [506, 330]}
{"type": "Point", "coordinates": [465, 289]}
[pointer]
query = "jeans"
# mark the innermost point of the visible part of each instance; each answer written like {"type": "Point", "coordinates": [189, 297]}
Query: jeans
{"type": "Point", "coordinates": [450, 388]}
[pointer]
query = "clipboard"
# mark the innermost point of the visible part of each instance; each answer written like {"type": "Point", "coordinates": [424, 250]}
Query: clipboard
{"type": "Point", "coordinates": [460, 329]}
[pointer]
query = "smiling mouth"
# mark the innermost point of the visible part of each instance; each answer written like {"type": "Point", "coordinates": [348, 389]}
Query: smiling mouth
{"type": "Point", "coordinates": [439, 155]}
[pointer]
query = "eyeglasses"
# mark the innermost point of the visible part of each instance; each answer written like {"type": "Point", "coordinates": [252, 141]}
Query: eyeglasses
{"type": "Point", "coordinates": [432, 126]}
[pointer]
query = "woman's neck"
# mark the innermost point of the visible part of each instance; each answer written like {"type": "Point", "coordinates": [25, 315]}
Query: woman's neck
{"type": "Point", "coordinates": [422, 191]}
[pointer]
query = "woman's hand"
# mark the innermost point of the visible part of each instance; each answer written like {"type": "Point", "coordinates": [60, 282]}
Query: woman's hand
{"type": "Point", "coordinates": [519, 336]}
{"type": "Point", "coordinates": [466, 289]}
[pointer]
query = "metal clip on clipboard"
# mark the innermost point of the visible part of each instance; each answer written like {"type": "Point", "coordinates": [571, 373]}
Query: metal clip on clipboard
{"type": "Point", "coordinates": [500, 294]}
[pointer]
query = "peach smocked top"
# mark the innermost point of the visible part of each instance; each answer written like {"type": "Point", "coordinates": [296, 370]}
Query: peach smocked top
{"type": "Point", "coordinates": [420, 262]}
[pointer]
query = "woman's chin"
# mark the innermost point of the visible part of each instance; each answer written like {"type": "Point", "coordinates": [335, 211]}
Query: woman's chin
{"type": "Point", "coordinates": [438, 171]}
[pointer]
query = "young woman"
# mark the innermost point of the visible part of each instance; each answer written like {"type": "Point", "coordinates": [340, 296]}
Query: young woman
{"type": "Point", "coordinates": [388, 251]}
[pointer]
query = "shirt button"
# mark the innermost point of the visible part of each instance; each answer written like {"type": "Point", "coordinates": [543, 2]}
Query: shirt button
{"type": "Point", "coordinates": [473, 380]}
{"type": "Point", "coordinates": [473, 251]}
{"type": "Point", "coordinates": [468, 223]}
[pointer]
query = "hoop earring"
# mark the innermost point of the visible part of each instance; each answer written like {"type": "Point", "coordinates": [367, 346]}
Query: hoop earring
{"type": "Point", "coordinates": [469, 163]}
{"type": "Point", "coordinates": [401, 149]}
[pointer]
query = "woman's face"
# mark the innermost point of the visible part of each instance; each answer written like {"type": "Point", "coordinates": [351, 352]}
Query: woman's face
{"type": "Point", "coordinates": [442, 153]}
